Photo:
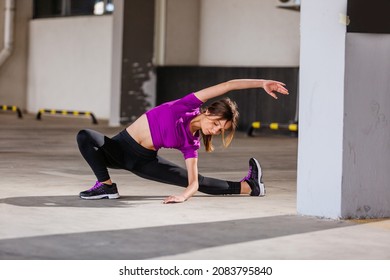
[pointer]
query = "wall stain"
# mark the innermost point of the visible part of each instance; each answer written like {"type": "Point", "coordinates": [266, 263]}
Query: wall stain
{"type": "Point", "coordinates": [380, 120]}
{"type": "Point", "coordinates": [352, 152]}
{"type": "Point", "coordinates": [137, 57]}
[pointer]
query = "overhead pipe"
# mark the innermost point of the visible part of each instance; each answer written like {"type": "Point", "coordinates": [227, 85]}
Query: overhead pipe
{"type": "Point", "coordinates": [8, 30]}
{"type": "Point", "coordinates": [160, 34]}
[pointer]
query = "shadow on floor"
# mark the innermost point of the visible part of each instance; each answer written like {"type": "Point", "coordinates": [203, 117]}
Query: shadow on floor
{"type": "Point", "coordinates": [159, 241]}
{"type": "Point", "coordinates": [75, 201]}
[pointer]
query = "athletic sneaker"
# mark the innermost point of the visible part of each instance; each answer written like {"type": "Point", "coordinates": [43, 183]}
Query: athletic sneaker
{"type": "Point", "coordinates": [100, 191]}
{"type": "Point", "coordinates": [255, 178]}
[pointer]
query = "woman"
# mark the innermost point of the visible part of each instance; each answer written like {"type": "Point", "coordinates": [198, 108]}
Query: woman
{"type": "Point", "coordinates": [177, 124]}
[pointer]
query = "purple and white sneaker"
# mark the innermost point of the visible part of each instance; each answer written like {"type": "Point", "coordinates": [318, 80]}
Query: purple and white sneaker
{"type": "Point", "coordinates": [101, 191]}
{"type": "Point", "coordinates": [255, 178]}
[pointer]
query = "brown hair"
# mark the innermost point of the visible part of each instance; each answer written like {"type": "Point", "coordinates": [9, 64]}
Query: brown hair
{"type": "Point", "coordinates": [225, 109]}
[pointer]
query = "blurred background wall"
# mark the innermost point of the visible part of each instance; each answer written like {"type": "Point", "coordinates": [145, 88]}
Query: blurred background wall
{"type": "Point", "coordinates": [13, 69]}
{"type": "Point", "coordinates": [63, 54]}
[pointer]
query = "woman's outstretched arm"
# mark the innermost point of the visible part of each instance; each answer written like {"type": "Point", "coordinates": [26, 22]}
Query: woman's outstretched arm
{"type": "Point", "coordinates": [269, 86]}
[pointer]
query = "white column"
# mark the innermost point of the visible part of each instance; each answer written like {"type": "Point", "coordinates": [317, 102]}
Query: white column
{"type": "Point", "coordinates": [321, 101]}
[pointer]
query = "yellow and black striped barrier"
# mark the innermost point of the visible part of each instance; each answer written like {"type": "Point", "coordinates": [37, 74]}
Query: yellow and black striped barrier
{"type": "Point", "coordinates": [66, 113]}
{"type": "Point", "coordinates": [13, 109]}
{"type": "Point", "coordinates": [292, 127]}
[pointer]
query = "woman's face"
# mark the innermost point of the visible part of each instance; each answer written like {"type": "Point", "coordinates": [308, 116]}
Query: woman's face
{"type": "Point", "coordinates": [213, 125]}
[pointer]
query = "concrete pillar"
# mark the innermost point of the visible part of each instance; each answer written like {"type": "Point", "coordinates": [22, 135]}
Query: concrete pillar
{"type": "Point", "coordinates": [344, 118]}
{"type": "Point", "coordinates": [133, 74]}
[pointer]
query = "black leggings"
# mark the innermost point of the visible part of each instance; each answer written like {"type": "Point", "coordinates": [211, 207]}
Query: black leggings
{"type": "Point", "coordinates": [123, 152]}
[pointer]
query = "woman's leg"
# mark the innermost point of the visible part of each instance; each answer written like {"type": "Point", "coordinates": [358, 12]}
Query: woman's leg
{"type": "Point", "coordinates": [99, 151]}
{"type": "Point", "coordinates": [161, 170]}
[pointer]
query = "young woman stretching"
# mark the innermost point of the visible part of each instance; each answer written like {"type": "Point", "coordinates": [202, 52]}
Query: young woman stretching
{"type": "Point", "coordinates": [177, 124]}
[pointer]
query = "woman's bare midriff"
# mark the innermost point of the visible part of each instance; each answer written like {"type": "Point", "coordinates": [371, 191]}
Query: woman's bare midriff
{"type": "Point", "coordinates": [140, 132]}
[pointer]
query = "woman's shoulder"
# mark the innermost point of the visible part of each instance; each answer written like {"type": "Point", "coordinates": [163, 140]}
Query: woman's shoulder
{"type": "Point", "coordinates": [187, 103]}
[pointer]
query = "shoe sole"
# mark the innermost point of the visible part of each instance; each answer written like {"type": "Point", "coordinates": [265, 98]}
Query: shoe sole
{"type": "Point", "coordinates": [102, 196]}
{"type": "Point", "coordinates": [261, 185]}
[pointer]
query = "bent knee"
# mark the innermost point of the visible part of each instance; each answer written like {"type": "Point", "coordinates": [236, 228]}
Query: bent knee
{"type": "Point", "coordinates": [90, 137]}
{"type": "Point", "coordinates": [83, 136]}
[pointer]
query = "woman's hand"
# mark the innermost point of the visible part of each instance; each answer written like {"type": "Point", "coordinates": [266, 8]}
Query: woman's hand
{"type": "Point", "coordinates": [192, 168]}
{"type": "Point", "coordinates": [271, 87]}
{"type": "Point", "coordinates": [174, 199]}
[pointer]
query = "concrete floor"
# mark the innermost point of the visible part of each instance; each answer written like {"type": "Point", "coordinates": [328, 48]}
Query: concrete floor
{"type": "Point", "coordinates": [41, 216]}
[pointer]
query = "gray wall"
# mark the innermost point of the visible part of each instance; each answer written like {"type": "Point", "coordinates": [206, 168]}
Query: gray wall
{"type": "Point", "coordinates": [182, 32]}
{"type": "Point", "coordinates": [248, 33]}
{"type": "Point", "coordinates": [229, 33]}
{"type": "Point", "coordinates": [366, 145]}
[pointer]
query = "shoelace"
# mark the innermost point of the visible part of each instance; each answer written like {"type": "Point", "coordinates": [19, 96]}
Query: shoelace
{"type": "Point", "coordinates": [97, 185]}
{"type": "Point", "coordinates": [249, 175]}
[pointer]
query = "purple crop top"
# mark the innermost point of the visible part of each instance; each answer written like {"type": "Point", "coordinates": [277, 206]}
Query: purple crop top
{"type": "Point", "coordinates": [170, 125]}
